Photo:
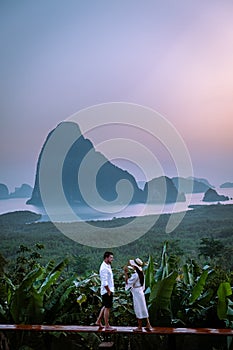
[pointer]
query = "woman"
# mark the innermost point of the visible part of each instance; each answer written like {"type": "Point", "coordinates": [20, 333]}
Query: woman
{"type": "Point", "coordinates": [137, 285]}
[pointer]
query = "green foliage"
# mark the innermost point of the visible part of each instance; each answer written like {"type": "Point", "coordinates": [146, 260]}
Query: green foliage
{"type": "Point", "coordinates": [65, 289]}
{"type": "Point", "coordinates": [3, 264]}
{"type": "Point", "coordinates": [199, 286]}
{"type": "Point", "coordinates": [27, 259]}
{"type": "Point", "coordinates": [223, 292]}
{"type": "Point", "coordinates": [210, 247]}
{"type": "Point", "coordinates": [202, 222]}
{"type": "Point", "coordinates": [150, 275]}
{"type": "Point", "coordinates": [43, 296]}
{"type": "Point", "coordinates": [161, 286]}
{"type": "Point", "coordinates": [160, 300]}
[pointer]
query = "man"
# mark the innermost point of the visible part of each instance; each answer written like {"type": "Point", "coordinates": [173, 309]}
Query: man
{"type": "Point", "coordinates": [106, 291]}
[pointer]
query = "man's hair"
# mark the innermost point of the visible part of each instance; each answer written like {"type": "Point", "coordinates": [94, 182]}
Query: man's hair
{"type": "Point", "coordinates": [107, 254]}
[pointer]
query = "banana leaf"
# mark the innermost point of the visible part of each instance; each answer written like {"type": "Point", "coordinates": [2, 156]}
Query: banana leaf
{"type": "Point", "coordinates": [26, 306]}
{"type": "Point", "coordinates": [46, 271]}
{"type": "Point", "coordinates": [160, 300]}
{"type": "Point", "coordinates": [199, 287]}
{"type": "Point", "coordinates": [54, 303]}
{"type": "Point", "coordinates": [10, 288]}
{"type": "Point", "coordinates": [162, 272]}
{"type": "Point", "coordinates": [60, 266]}
{"type": "Point", "coordinates": [34, 311]}
{"type": "Point", "coordinates": [49, 280]}
{"type": "Point", "coordinates": [49, 267]}
{"type": "Point", "coordinates": [3, 315]}
{"type": "Point", "coordinates": [66, 295]}
{"type": "Point", "coordinates": [22, 298]}
{"type": "Point", "coordinates": [205, 298]}
{"type": "Point", "coordinates": [188, 276]}
{"type": "Point", "coordinates": [30, 278]}
{"type": "Point", "coordinates": [223, 292]}
{"type": "Point", "coordinates": [150, 273]}
{"type": "Point", "coordinates": [229, 311]}
{"type": "Point", "coordinates": [162, 291]}
{"type": "Point", "coordinates": [53, 273]}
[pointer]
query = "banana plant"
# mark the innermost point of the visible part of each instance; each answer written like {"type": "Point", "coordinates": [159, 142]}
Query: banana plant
{"type": "Point", "coordinates": [224, 308]}
{"type": "Point", "coordinates": [44, 296]}
{"type": "Point", "coordinates": [26, 304]}
{"type": "Point", "coordinates": [149, 275]}
{"type": "Point", "coordinates": [160, 286]}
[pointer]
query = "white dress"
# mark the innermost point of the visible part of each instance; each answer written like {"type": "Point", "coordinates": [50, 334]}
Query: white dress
{"type": "Point", "coordinates": [139, 301]}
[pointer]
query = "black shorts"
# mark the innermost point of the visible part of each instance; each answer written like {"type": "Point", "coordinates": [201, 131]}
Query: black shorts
{"type": "Point", "coordinates": [107, 300]}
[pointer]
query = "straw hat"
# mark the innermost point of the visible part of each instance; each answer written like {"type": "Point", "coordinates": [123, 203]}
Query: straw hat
{"type": "Point", "coordinates": [136, 262]}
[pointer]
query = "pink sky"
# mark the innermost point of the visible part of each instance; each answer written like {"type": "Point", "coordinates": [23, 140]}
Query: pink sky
{"type": "Point", "coordinates": [59, 57]}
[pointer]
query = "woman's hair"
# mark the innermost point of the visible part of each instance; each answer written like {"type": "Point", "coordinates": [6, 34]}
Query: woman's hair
{"type": "Point", "coordinates": [140, 275]}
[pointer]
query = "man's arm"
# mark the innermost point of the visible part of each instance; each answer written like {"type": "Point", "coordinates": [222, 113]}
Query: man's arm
{"type": "Point", "coordinates": [107, 289]}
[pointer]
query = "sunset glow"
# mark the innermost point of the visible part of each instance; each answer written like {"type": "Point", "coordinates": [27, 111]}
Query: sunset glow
{"type": "Point", "coordinates": [173, 57]}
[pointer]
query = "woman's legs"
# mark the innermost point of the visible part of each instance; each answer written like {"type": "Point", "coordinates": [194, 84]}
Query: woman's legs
{"type": "Point", "coordinates": [139, 327]}
{"type": "Point", "coordinates": [148, 325]}
{"type": "Point", "coordinates": [139, 323]}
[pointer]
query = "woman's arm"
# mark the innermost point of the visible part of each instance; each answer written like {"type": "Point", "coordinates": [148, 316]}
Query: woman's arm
{"type": "Point", "coordinates": [130, 281]}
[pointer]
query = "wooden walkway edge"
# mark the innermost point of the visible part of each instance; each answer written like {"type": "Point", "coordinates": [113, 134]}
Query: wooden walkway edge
{"type": "Point", "coordinates": [127, 330]}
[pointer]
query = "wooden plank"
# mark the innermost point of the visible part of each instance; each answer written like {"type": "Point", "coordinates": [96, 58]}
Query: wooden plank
{"type": "Point", "coordinates": [96, 329]}
{"type": "Point", "coordinates": [106, 345]}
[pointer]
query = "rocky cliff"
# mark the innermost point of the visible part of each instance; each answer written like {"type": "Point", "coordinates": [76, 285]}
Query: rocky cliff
{"type": "Point", "coordinates": [99, 179]}
{"type": "Point", "coordinates": [163, 190]}
{"type": "Point", "coordinates": [212, 196]}
{"type": "Point", "coordinates": [4, 192]}
{"type": "Point", "coordinates": [186, 184]}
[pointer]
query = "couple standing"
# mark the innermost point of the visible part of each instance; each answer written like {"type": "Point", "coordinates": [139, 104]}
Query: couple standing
{"type": "Point", "coordinates": [137, 285]}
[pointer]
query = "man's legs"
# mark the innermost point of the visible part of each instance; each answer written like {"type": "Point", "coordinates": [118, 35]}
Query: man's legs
{"type": "Point", "coordinates": [98, 322]}
{"type": "Point", "coordinates": [106, 316]}
{"type": "Point", "coordinates": [105, 312]}
{"type": "Point", "coordinates": [106, 320]}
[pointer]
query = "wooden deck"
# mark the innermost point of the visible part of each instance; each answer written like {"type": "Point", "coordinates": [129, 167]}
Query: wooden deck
{"type": "Point", "coordinates": [126, 330]}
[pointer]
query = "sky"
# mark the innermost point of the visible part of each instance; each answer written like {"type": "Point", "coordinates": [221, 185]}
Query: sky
{"type": "Point", "coordinates": [59, 57]}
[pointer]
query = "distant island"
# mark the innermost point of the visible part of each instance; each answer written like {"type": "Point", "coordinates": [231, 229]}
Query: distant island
{"type": "Point", "coordinates": [190, 184]}
{"type": "Point", "coordinates": [212, 196]}
{"type": "Point", "coordinates": [227, 185]}
{"type": "Point", "coordinates": [163, 190]}
{"type": "Point", "coordinates": [104, 184]}
{"type": "Point", "coordinates": [4, 192]}
{"type": "Point", "coordinates": [24, 191]}
{"type": "Point", "coordinates": [202, 180]}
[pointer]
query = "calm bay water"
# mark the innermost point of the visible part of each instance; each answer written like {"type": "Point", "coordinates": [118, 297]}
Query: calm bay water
{"type": "Point", "coordinates": [61, 214]}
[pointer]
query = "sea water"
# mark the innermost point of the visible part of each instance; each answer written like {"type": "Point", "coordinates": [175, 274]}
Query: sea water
{"type": "Point", "coordinates": [109, 212]}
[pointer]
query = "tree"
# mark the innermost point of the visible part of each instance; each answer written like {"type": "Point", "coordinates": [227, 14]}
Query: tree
{"type": "Point", "coordinates": [210, 248]}
{"type": "Point", "coordinates": [3, 263]}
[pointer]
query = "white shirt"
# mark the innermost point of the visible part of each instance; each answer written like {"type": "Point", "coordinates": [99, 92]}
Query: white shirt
{"type": "Point", "coordinates": [106, 278]}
